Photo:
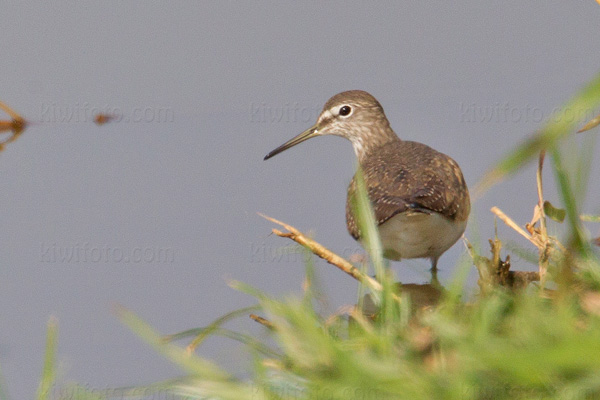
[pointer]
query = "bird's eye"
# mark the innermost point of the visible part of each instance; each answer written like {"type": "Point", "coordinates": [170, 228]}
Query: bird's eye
{"type": "Point", "coordinates": [345, 111]}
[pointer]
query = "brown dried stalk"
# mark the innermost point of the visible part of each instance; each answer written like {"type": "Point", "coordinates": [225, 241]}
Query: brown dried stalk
{"type": "Point", "coordinates": [538, 236]}
{"type": "Point", "coordinates": [262, 321]}
{"type": "Point", "coordinates": [508, 221]}
{"type": "Point", "coordinates": [540, 215]}
{"type": "Point", "coordinates": [326, 254]}
{"type": "Point", "coordinates": [17, 125]}
{"type": "Point", "coordinates": [594, 122]}
{"type": "Point", "coordinates": [323, 253]}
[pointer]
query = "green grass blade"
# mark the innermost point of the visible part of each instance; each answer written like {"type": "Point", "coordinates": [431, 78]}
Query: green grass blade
{"type": "Point", "coordinates": [366, 222]}
{"type": "Point", "coordinates": [3, 395]}
{"type": "Point", "coordinates": [201, 333]}
{"type": "Point", "coordinates": [363, 211]}
{"type": "Point", "coordinates": [49, 369]}
{"type": "Point", "coordinates": [559, 125]}
{"type": "Point", "coordinates": [568, 198]}
{"type": "Point", "coordinates": [583, 166]}
{"type": "Point", "coordinates": [590, 218]}
{"type": "Point", "coordinates": [187, 362]}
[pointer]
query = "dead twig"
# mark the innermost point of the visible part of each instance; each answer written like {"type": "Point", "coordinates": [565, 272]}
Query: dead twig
{"type": "Point", "coordinates": [496, 271]}
{"type": "Point", "coordinates": [547, 245]}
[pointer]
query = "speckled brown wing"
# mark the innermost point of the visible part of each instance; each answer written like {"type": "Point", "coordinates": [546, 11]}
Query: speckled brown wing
{"type": "Point", "coordinates": [402, 176]}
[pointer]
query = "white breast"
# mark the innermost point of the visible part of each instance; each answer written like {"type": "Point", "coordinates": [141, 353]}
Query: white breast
{"type": "Point", "coordinates": [419, 235]}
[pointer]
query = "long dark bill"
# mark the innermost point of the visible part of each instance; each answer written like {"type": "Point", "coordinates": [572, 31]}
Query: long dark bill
{"type": "Point", "coordinates": [307, 134]}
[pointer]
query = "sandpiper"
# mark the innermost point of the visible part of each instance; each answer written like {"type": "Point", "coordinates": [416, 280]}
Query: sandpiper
{"type": "Point", "coordinates": [419, 195]}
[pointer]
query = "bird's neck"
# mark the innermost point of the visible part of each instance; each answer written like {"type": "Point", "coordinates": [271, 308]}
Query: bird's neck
{"type": "Point", "coordinates": [369, 142]}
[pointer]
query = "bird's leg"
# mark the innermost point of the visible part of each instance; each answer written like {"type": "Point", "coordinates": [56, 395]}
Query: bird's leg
{"type": "Point", "coordinates": [434, 278]}
{"type": "Point", "coordinates": [434, 261]}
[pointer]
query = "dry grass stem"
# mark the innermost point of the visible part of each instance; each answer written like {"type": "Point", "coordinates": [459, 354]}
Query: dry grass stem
{"type": "Point", "coordinates": [324, 253]}
{"type": "Point", "coordinates": [594, 122]}
{"type": "Point", "coordinates": [262, 321]}
{"type": "Point", "coordinates": [538, 235]}
{"type": "Point", "coordinates": [11, 113]}
{"type": "Point", "coordinates": [17, 125]}
{"type": "Point", "coordinates": [543, 232]}
{"type": "Point", "coordinates": [508, 221]}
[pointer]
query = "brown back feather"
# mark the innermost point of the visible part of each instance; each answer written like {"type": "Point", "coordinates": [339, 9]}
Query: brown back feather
{"type": "Point", "coordinates": [405, 175]}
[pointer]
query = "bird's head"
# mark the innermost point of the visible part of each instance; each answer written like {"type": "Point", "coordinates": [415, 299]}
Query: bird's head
{"type": "Point", "coordinates": [354, 115]}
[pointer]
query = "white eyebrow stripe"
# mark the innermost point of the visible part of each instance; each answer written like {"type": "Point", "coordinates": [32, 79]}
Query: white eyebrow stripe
{"type": "Point", "coordinates": [326, 115]}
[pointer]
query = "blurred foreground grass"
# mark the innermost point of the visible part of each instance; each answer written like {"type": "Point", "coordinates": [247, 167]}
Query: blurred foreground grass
{"type": "Point", "coordinates": [512, 341]}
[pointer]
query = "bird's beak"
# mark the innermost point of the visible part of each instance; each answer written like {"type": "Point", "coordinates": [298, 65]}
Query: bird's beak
{"type": "Point", "coordinates": [307, 134]}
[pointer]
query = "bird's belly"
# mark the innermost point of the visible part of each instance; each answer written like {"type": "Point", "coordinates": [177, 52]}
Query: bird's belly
{"type": "Point", "coordinates": [419, 235]}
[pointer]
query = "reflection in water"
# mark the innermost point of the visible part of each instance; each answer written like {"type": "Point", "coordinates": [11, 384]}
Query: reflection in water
{"type": "Point", "coordinates": [421, 297]}
{"type": "Point", "coordinates": [17, 124]}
